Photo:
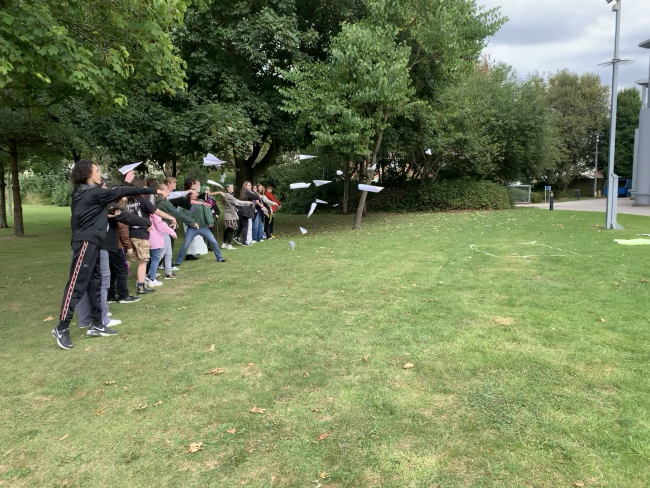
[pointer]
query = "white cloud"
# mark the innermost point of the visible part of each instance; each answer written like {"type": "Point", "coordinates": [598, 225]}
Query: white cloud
{"type": "Point", "coordinates": [546, 36]}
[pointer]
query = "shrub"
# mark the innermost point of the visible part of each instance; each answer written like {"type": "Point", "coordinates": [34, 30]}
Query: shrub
{"type": "Point", "coordinates": [50, 188]}
{"type": "Point", "coordinates": [536, 197]}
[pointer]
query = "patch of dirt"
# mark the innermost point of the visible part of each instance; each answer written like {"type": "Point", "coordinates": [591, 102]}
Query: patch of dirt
{"type": "Point", "coordinates": [503, 320]}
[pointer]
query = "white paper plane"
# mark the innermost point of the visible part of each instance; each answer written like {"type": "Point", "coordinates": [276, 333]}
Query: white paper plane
{"type": "Point", "coordinates": [311, 210]}
{"type": "Point", "coordinates": [339, 172]}
{"type": "Point", "coordinates": [292, 245]}
{"type": "Point", "coordinates": [370, 188]}
{"type": "Point", "coordinates": [302, 157]}
{"type": "Point", "coordinates": [321, 182]}
{"type": "Point", "coordinates": [321, 201]}
{"type": "Point", "coordinates": [335, 205]}
{"type": "Point", "coordinates": [212, 160]}
{"type": "Point", "coordinates": [210, 182]}
{"type": "Point", "coordinates": [223, 177]}
{"type": "Point", "coordinates": [177, 194]}
{"type": "Point", "coordinates": [303, 231]}
{"type": "Point", "coordinates": [373, 167]}
{"type": "Point", "coordinates": [129, 167]}
{"type": "Point", "coordinates": [428, 152]}
{"type": "Point", "coordinates": [298, 186]}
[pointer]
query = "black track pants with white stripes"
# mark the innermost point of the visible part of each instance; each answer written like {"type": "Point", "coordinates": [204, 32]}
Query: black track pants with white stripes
{"type": "Point", "coordinates": [85, 275]}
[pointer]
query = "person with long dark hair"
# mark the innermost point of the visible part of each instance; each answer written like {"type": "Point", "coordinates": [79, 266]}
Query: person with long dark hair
{"type": "Point", "coordinates": [231, 219]}
{"type": "Point", "coordinates": [89, 224]}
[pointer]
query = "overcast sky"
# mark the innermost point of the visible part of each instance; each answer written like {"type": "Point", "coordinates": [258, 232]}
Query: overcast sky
{"type": "Point", "coordinates": [549, 35]}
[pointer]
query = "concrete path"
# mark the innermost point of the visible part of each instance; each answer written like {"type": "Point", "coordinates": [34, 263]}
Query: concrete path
{"type": "Point", "coordinates": [595, 205]}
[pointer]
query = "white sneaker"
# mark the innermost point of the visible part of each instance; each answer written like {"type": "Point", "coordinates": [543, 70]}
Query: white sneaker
{"type": "Point", "coordinates": [175, 269]}
{"type": "Point", "coordinates": [231, 248]}
{"type": "Point", "coordinates": [155, 283]}
{"type": "Point", "coordinates": [113, 323]}
{"type": "Point", "coordinates": [157, 275]}
{"type": "Point", "coordinates": [161, 267]}
{"type": "Point", "coordinates": [109, 314]}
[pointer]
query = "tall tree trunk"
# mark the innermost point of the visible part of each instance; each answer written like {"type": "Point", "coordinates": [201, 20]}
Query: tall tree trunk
{"type": "Point", "coordinates": [3, 193]}
{"type": "Point", "coordinates": [19, 227]}
{"type": "Point", "coordinates": [249, 169]}
{"type": "Point", "coordinates": [369, 175]}
{"type": "Point", "coordinates": [346, 188]}
{"type": "Point", "coordinates": [9, 206]}
{"type": "Point", "coordinates": [174, 168]}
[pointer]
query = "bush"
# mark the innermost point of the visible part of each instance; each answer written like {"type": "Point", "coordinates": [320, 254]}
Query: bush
{"type": "Point", "coordinates": [536, 197]}
{"type": "Point", "coordinates": [53, 187]}
{"type": "Point", "coordinates": [445, 195]}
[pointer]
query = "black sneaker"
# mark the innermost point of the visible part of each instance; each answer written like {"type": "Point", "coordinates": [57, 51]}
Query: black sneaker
{"type": "Point", "coordinates": [129, 299]}
{"type": "Point", "coordinates": [100, 330]}
{"type": "Point", "coordinates": [62, 338]}
{"type": "Point", "coordinates": [236, 239]}
{"type": "Point", "coordinates": [191, 257]}
{"type": "Point", "coordinates": [172, 276]}
{"type": "Point", "coordinates": [111, 300]}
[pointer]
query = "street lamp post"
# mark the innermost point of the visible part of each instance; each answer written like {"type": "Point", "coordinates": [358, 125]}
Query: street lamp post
{"type": "Point", "coordinates": [642, 145]}
{"type": "Point", "coordinates": [596, 170]}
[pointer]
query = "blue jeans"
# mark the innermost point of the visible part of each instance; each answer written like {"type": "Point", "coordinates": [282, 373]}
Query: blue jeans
{"type": "Point", "coordinates": [258, 226]}
{"type": "Point", "coordinates": [191, 233]}
{"type": "Point", "coordinates": [155, 261]}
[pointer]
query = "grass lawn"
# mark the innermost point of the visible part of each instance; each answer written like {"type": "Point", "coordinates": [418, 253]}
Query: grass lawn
{"type": "Point", "coordinates": [527, 371]}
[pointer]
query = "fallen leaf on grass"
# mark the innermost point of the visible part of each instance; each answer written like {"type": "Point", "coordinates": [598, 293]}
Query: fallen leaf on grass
{"type": "Point", "coordinates": [324, 435]}
{"type": "Point", "coordinates": [579, 484]}
{"type": "Point", "coordinates": [250, 364]}
{"type": "Point", "coordinates": [48, 319]}
{"type": "Point", "coordinates": [323, 475]}
{"type": "Point", "coordinates": [63, 437]}
{"type": "Point", "coordinates": [231, 431]}
{"type": "Point", "coordinates": [306, 374]}
{"type": "Point", "coordinates": [195, 447]}
{"type": "Point", "coordinates": [140, 406]}
{"type": "Point", "coordinates": [603, 321]}
{"type": "Point", "coordinates": [409, 365]}
{"type": "Point", "coordinates": [365, 358]}
{"type": "Point", "coordinates": [257, 410]}
{"type": "Point", "coordinates": [216, 371]}
{"type": "Point", "coordinates": [182, 308]}
{"type": "Point", "coordinates": [617, 283]}
{"type": "Point", "coordinates": [159, 402]}
{"type": "Point", "coordinates": [110, 382]}
{"type": "Point", "coordinates": [211, 348]}
{"type": "Point", "coordinates": [643, 280]}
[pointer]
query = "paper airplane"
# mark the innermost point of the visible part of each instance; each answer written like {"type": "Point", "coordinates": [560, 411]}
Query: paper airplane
{"type": "Point", "coordinates": [297, 186]}
{"type": "Point", "coordinates": [339, 172]}
{"type": "Point", "coordinates": [311, 210]}
{"type": "Point", "coordinates": [302, 157]}
{"type": "Point", "coordinates": [373, 167]}
{"type": "Point", "coordinates": [370, 188]}
{"type": "Point", "coordinates": [223, 177]}
{"type": "Point", "coordinates": [428, 152]}
{"type": "Point", "coordinates": [335, 205]}
{"type": "Point", "coordinates": [210, 182]}
{"type": "Point", "coordinates": [321, 182]}
{"type": "Point", "coordinates": [212, 160]}
{"type": "Point", "coordinates": [129, 167]}
{"type": "Point", "coordinates": [177, 194]}
{"type": "Point", "coordinates": [321, 201]}
{"type": "Point", "coordinates": [292, 245]}
{"type": "Point", "coordinates": [303, 231]}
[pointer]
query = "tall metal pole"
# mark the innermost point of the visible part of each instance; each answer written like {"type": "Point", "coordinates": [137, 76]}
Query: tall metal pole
{"type": "Point", "coordinates": [596, 170]}
{"type": "Point", "coordinates": [612, 193]}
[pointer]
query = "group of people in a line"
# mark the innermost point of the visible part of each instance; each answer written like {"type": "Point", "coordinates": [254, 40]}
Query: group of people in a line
{"type": "Point", "coordinates": [136, 221]}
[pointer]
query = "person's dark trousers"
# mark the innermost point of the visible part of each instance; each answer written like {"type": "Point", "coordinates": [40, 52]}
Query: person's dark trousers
{"type": "Point", "coordinates": [267, 226]}
{"type": "Point", "coordinates": [243, 228]}
{"type": "Point", "coordinates": [271, 226]}
{"type": "Point", "coordinates": [85, 275]}
{"type": "Point", "coordinates": [119, 273]}
{"type": "Point", "coordinates": [191, 233]}
{"type": "Point", "coordinates": [227, 235]}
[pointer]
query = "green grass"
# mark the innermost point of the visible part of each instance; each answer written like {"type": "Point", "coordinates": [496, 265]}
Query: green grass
{"type": "Point", "coordinates": [516, 380]}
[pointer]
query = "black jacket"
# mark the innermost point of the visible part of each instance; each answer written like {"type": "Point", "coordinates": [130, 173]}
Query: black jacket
{"type": "Point", "coordinates": [89, 220]}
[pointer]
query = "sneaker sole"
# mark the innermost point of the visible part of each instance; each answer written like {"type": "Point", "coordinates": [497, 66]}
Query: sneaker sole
{"type": "Point", "coordinates": [100, 334]}
{"type": "Point", "coordinates": [59, 343]}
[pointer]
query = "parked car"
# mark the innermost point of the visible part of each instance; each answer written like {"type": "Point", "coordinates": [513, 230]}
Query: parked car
{"type": "Point", "coordinates": [624, 187]}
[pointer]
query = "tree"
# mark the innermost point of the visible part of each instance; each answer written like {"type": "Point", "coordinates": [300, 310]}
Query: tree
{"type": "Point", "coordinates": [627, 121]}
{"type": "Point", "coordinates": [3, 193]}
{"type": "Point", "coordinates": [580, 103]}
{"type": "Point", "coordinates": [21, 130]}
{"type": "Point", "coordinates": [88, 46]}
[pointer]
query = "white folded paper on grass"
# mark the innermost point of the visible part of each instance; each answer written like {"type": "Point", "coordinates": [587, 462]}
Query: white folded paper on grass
{"type": "Point", "coordinates": [370, 188]}
{"type": "Point", "coordinates": [303, 231]}
{"type": "Point", "coordinates": [298, 186]}
{"type": "Point", "coordinates": [129, 167]}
